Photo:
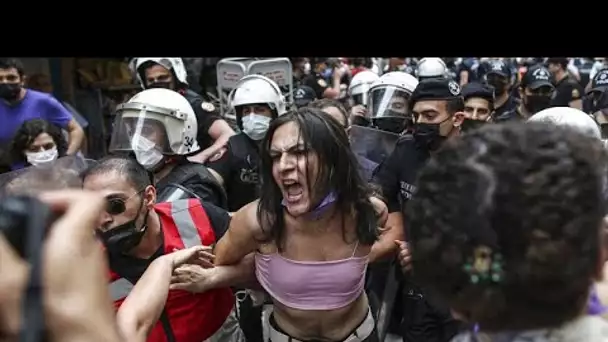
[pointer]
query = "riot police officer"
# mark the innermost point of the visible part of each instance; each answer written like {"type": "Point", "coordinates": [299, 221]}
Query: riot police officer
{"type": "Point", "coordinates": [170, 73]}
{"type": "Point", "coordinates": [256, 100]}
{"type": "Point", "coordinates": [389, 101]}
{"type": "Point", "coordinates": [159, 127]}
{"type": "Point", "coordinates": [438, 109]}
{"type": "Point", "coordinates": [358, 90]}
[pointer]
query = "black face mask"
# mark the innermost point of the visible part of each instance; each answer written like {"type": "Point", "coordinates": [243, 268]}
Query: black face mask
{"type": "Point", "coordinates": [604, 129]}
{"type": "Point", "coordinates": [471, 124]}
{"type": "Point", "coordinates": [124, 238]}
{"type": "Point", "coordinates": [428, 135]}
{"type": "Point", "coordinates": [391, 124]}
{"type": "Point", "coordinates": [164, 85]}
{"type": "Point", "coordinates": [10, 91]}
{"type": "Point", "coordinates": [499, 87]}
{"type": "Point", "coordinates": [536, 103]}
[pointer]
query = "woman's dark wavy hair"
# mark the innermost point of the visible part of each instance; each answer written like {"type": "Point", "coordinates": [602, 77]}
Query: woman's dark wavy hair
{"type": "Point", "coordinates": [532, 192]}
{"type": "Point", "coordinates": [27, 133]}
{"type": "Point", "coordinates": [338, 172]}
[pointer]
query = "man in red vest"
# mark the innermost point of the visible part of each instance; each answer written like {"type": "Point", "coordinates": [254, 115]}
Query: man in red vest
{"type": "Point", "coordinates": [135, 230]}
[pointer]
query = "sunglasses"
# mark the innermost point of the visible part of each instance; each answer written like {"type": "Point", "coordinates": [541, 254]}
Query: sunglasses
{"type": "Point", "coordinates": [117, 205]}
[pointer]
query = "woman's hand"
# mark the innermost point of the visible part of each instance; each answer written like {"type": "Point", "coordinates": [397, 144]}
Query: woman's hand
{"type": "Point", "coordinates": [197, 255]}
{"type": "Point", "coordinates": [193, 278]}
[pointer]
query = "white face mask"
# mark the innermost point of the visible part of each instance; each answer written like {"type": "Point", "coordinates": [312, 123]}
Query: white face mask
{"type": "Point", "coordinates": [145, 152]}
{"type": "Point", "coordinates": [255, 126]}
{"type": "Point", "coordinates": [42, 158]}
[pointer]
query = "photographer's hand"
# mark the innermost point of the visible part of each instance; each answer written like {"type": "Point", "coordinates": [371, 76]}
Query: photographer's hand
{"type": "Point", "coordinates": [14, 273]}
{"type": "Point", "coordinates": [77, 302]}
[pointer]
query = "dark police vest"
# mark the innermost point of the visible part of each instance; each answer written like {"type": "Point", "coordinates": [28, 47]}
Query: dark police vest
{"type": "Point", "coordinates": [197, 179]}
{"type": "Point", "coordinates": [243, 183]}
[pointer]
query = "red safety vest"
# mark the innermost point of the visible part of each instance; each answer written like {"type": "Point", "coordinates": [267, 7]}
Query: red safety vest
{"type": "Point", "coordinates": [193, 317]}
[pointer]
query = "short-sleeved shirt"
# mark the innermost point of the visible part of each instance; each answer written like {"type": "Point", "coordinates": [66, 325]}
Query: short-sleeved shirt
{"type": "Point", "coordinates": [206, 115]}
{"type": "Point", "coordinates": [35, 105]}
{"type": "Point", "coordinates": [566, 90]}
{"type": "Point", "coordinates": [238, 166]}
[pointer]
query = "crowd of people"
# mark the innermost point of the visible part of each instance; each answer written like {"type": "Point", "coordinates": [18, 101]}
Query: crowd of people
{"type": "Point", "coordinates": [395, 200]}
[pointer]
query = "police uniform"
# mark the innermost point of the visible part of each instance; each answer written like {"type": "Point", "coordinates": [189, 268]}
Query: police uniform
{"type": "Point", "coordinates": [510, 106]}
{"type": "Point", "coordinates": [502, 69]}
{"type": "Point", "coordinates": [238, 166]}
{"type": "Point", "coordinates": [418, 317]}
{"type": "Point", "coordinates": [566, 90]}
{"type": "Point", "coordinates": [197, 180]}
{"type": "Point", "coordinates": [535, 77]}
{"type": "Point", "coordinates": [206, 115]}
{"type": "Point", "coordinates": [599, 85]}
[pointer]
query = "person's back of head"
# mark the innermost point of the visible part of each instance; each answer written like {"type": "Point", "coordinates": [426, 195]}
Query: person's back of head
{"type": "Point", "coordinates": [506, 221]}
{"type": "Point", "coordinates": [128, 168]}
{"type": "Point", "coordinates": [568, 117]}
{"type": "Point", "coordinates": [63, 174]}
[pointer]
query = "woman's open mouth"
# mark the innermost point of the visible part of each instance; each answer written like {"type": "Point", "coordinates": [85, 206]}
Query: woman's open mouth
{"type": "Point", "coordinates": [293, 191]}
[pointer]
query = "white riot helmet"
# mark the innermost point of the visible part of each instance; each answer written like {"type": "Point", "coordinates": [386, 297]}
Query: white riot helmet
{"type": "Point", "coordinates": [569, 117]}
{"type": "Point", "coordinates": [153, 124]}
{"type": "Point", "coordinates": [360, 85]}
{"type": "Point", "coordinates": [388, 100]}
{"type": "Point", "coordinates": [256, 89]}
{"type": "Point", "coordinates": [431, 67]}
{"type": "Point", "coordinates": [174, 64]}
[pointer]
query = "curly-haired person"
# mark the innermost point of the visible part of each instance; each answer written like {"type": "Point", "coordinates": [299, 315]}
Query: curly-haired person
{"type": "Point", "coordinates": [506, 226]}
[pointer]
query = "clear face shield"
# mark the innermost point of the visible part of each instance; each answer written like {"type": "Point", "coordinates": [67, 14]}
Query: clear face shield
{"type": "Point", "coordinates": [389, 107]}
{"type": "Point", "coordinates": [359, 95]}
{"type": "Point", "coordinates": [142, 129]}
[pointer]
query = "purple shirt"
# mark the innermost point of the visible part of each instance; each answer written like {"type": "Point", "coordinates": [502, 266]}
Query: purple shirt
{"type": "Point", "coordinates": [35, 105]}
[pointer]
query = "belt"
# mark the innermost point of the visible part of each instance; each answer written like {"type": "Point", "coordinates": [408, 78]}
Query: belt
{"type": "Point", "coordinates": [363, 331]}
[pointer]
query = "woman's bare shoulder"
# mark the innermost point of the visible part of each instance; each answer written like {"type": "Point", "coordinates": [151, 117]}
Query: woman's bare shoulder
{"type": "Point", "coordinates": [250, 214]}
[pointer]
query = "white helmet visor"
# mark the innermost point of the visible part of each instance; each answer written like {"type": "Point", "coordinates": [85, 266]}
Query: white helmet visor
{"type": "Point", "coordinates": [389, 102]}
{"type": "Point", "coordinates": [140, 127]}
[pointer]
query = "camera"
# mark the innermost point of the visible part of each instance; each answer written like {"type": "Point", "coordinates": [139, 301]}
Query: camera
{"type": "Point", "coordinates": [24, 222]}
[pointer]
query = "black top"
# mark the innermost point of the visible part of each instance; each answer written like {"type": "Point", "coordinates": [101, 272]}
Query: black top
{"type": "Point", "coordinates": [396, 175]}
{"type": "Point", "coordinates": [566, 90]}
{"type": "Point", "coordinates": [206, 115]}
{"type": "Point", "coordinates": [238, 166]}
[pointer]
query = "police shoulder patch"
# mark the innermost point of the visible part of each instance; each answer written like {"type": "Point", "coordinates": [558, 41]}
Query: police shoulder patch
{"type": "Point", "coordinates": [575, 93]}
{"type": "Point", "coordinates": [208, 106]}
{"type": "Point", "coordinates": [322, 82]}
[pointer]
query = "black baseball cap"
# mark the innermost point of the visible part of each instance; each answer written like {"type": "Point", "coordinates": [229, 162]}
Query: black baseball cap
{"type": "Point", "coordinates": [599, 81]}
{"type": "Point", "coordinates": [476, 89]}
{"type": "Point", "coordinates": [435, 89]}
{"type": "Point", "coordinates": [499, 67]}
{"type": "Point", "coordinates": [536, 77]}
{"type": "Point", "coordinates": [303, 95]}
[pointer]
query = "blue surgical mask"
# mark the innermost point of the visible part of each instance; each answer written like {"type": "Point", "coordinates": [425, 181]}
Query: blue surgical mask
{"type": "Point", "coordinates": [255, 126]}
